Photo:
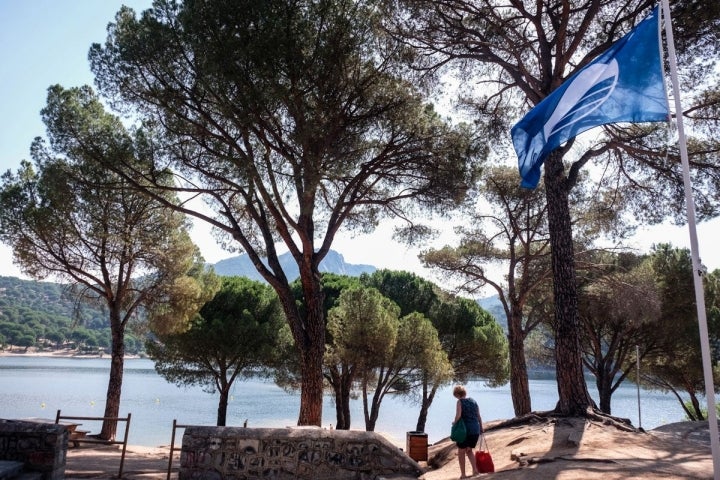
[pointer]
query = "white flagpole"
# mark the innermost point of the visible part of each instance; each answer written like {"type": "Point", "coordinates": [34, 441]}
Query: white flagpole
{"type": "Point", "coordinates": [697, 267]}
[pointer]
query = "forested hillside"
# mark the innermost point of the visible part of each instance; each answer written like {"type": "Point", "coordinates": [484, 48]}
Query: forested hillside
{"type": "Point", "coordinates": [42, 314]}
{"type": "Point", "coordinates": [42, 300]}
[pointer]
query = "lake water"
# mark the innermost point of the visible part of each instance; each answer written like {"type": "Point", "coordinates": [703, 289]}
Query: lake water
{"type": "Point", "coordinates": [39, 386]}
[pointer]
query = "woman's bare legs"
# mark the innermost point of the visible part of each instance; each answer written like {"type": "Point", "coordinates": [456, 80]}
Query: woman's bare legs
{"type": "Point", "coordinates": [461, 461]}
{"type": "Point", "coordinates": [471, 456]}
{"type": "Point", "coordinates": [466, 452]}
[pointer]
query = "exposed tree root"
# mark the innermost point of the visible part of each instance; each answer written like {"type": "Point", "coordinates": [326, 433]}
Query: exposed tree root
{"type": "Point", "coordinates": [552, 416]}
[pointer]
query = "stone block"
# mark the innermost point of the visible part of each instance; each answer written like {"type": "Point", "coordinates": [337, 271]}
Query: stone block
{"type": "Point", "coordinates": [41, 447]}
{"type": "Point", "coordinates": [239, 453]}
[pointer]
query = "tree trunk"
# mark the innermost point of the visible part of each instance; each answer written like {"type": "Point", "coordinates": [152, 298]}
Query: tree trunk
{"type": "Point", "coordinates": [603, 380]}
{"type": "Point", "coordinates": [371, 409]}
{"type": "Point", "coordinates": [117, 358]}
{"type": "Point", "coordinates": [519, 382]}
{"type": "Point", "coordinates": [338, 393]}
{"type": "Point", "coordinates": [427, 400]}
{"type": "Point", "coordinates": [574, 398]}
{"type": "Point", "coordinates": [223, 405]}
{"type": "Point", "coordinates": [342, 420]}
{"type": "Point", "coordinates": [366, 407]}
{"type": "Point", "coordinates": [371, 420]}
{"type": "Point", "coordinates": [308, 331]}
{"type": "Point", "coordinates": [311, 386]}
{"type": "Point", "coordinates": [309, 335]}
{"type": "Point", "coordinates": [341, 382]}
{"type": "Point", "coordinates": [347, 380]}
{"type": "Point", "coordinates": [696, 406]}
{"type": "Point", "coordinates": [339, 414]}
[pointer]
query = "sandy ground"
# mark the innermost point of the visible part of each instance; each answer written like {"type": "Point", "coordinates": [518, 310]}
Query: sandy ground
{"type": "Point", "coordinates": [571, 449]}
{"type": "Point", "coordinates": [103, 462]}
{"type": "Point", "coordinates": [558, 449]}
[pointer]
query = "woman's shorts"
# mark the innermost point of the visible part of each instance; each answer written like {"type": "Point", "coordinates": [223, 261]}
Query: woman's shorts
{"type": "Point", "coordinates": [470, 441]}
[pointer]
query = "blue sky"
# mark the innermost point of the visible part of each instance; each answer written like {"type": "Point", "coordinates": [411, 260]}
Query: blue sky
{"type": "Point", "coordinates": [42, 43]}
{"type": "Point", "coordinates": [45, 42]}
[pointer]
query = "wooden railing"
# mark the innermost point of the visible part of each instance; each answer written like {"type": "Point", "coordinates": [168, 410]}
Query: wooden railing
{"type": "Point", "coordinates": [79, 436]}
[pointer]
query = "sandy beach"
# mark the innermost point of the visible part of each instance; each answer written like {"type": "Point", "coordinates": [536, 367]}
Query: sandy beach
{"type": "Point", "coordinates": [59, 353]}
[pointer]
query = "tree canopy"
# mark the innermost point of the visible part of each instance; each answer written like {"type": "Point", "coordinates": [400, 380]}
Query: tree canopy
{"type": "Point", "coordinates": [620, 318]}
{"type": "Point", "coordinates": [388, 353]}
{"type": "Point", "coordinates": [233, 336]}
{"type": "Point", "coordinates": [73, 219]}
{"type": "Point", "coordinates": [677, 367]}
{"type": "Point", "coordinates": [511, 233]}
{"type": "Point", "coordinates": [291, 120]}
{"type": "Point", "coordinates": [473, 341]}
{"type": "Point", "coordinates": [520, 53]}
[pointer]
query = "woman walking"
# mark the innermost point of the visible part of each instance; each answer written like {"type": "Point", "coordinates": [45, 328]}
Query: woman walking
{"type": "Point", "coordinates": [467, 410]}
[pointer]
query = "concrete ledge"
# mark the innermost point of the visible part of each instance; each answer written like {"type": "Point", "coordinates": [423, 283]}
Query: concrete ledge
{"type": "Point", "coordinates": [210, 453]}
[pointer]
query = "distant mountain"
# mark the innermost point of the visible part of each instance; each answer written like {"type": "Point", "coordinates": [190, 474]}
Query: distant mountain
{"type": "Point", "coordinates": [493, 305]}
{"type": "Point", "coordinates": [333, 262]}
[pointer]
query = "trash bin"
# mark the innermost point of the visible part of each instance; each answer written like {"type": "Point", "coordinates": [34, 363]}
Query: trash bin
{"type": "Point", "coordinates": [417, 446]}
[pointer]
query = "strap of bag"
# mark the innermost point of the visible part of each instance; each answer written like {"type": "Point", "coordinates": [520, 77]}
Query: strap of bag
{"type": "Point", "coordinates": [484, 442]}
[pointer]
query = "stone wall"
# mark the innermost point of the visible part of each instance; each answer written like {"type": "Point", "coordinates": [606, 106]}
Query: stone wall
{"type": "Point", "coordinates": [42, 447]}
{"type": "Point", "coordinates": [238, 453]}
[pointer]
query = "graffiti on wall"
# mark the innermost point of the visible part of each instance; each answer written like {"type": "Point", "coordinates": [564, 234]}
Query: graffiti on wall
{"type": "Point", "coordinates": [242, 453]}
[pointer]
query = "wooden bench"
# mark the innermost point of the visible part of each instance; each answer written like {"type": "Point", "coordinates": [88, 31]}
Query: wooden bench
{"type": "Point", "coordinates": [78, 435]}
{"type": "Point", "coordinates": [81, 436]}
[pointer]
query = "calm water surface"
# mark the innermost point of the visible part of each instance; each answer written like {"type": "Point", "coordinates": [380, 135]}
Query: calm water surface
{"type": "Point", "coordinates": [39, 386]}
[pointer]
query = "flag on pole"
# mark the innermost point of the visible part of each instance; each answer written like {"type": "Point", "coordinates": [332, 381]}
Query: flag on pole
{"type": "Point", "coordinates": [624, 84]}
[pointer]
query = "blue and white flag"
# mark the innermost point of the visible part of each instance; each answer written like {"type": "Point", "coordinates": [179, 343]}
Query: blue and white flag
{"type": "Point", "coordinates": [624, 84]}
